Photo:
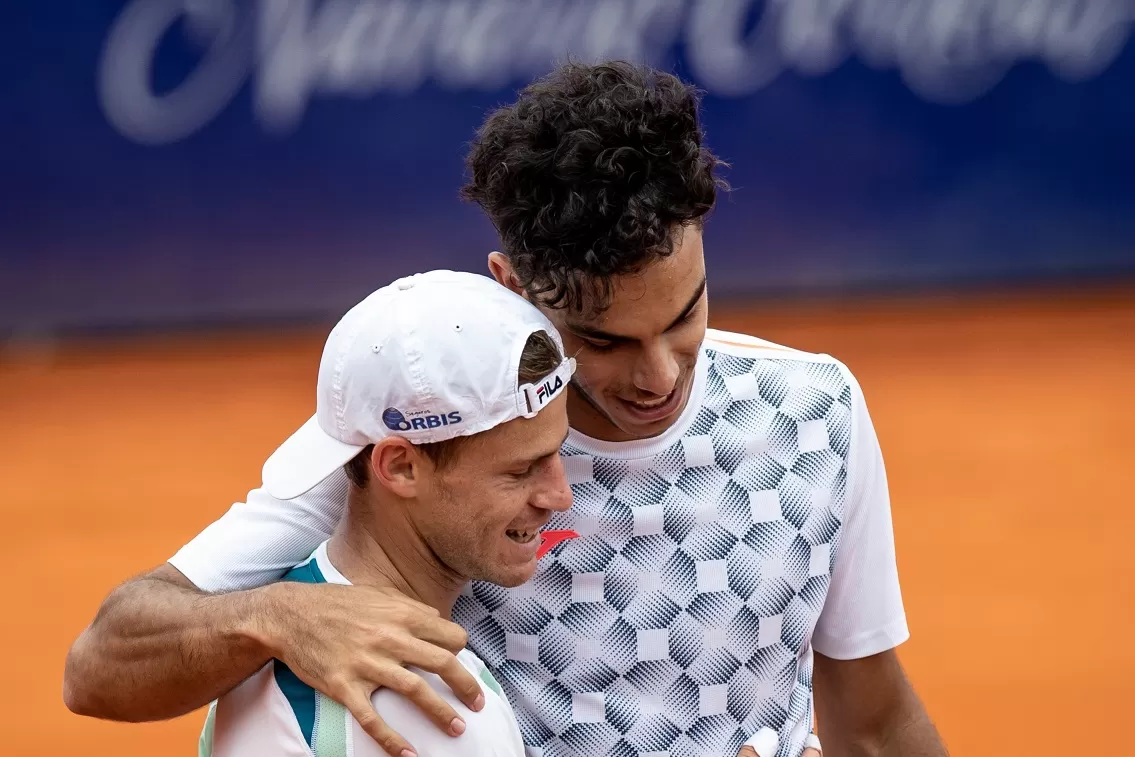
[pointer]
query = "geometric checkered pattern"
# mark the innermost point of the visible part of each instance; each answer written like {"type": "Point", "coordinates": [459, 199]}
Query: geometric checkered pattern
{"type": "Point", "coordinates": [679, 622]}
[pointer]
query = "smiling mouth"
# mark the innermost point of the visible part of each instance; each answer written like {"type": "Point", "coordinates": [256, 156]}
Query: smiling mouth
{"type": "Point", "coordinates": [651, 404]}
{"type": "Point", "coordinates": [655, 409]}
{"type": "Point", "coordinates": [521, 537]}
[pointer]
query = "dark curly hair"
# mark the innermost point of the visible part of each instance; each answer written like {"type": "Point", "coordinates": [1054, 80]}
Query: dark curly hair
{"type": "Point", "coordinates": [589, 174]}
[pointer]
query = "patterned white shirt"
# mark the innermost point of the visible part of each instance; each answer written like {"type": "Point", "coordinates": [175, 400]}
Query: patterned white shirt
{"type": "Point", "coordinates": [710, 562]}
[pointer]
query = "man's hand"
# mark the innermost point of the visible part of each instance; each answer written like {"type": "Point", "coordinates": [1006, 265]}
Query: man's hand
{"type": "Point", "coordinates": [160, 648]}
{"type": "Point", "coordinates": [348, 641]}
{"type": "Point", "coordinates": [765, 744]}
{"type": "Point", "coordinates": [748, 751]}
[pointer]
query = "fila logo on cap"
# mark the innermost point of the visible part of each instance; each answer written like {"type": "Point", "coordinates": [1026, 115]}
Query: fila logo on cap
{"type": "Point", "coordinates": [539, 395]}
{"type": "Point", "coordinates": [396, 421]}
{"type": "Point", "coordinates": [548, 388]}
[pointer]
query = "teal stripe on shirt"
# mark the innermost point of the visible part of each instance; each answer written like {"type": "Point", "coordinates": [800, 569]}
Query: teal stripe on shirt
{"type": "Point", "coordinates": [300, 696]}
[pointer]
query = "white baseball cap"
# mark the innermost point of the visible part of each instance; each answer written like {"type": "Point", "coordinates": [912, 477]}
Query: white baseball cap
{"type": "Point", "coordinates": [429, 357]}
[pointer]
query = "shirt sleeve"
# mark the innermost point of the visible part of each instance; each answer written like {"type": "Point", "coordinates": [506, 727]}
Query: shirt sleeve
{"type": "Point", "coordinates": [259, 540]}
{"type": "Point", "coordinates": [863, 613]}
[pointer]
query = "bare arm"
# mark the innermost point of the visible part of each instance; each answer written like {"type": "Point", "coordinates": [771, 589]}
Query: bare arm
{"type": "Point", "coordinates": [864, 703]}
{"type": "Point", "coordinates": [867, 708]}
{"type": "Point", "coordinates": [160, 648]}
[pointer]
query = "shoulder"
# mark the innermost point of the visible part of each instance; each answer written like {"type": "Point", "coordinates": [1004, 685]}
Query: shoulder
{"type": "Point", "coordinates": [732, 354]}
{"type": "Point", "coordinates": [738, 345]}
{"type": "Point", "coordinates": [260, 716]}
{"type": "Point", "coordinates": [307, 572]}
{"type": "Point", "coordinates": [491, 732]}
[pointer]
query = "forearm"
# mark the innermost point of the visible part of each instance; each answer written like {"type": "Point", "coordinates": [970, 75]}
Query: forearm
{"type": "Point", "coordinates": [159, 648]}
{"type": "Point", "coordinates": [912, 735]}
{"type": "Point", "coordinates": [867, 708]}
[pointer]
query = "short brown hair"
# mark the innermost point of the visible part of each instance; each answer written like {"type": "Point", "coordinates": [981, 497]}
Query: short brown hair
{"type": "Point", "coordinates": [540, 357]}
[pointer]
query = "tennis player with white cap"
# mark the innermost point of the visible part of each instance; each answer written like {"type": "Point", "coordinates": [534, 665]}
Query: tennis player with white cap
{"type": "Point", "coordinates": [731, 564]}
{"type": "Point", "coordinates": [443, 395]}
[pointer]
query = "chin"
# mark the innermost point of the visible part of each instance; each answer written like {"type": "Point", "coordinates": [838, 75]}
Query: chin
{"type": "Point", "coordinates": [510, 578]}
{"type": "Point", "coordinates": [645, 430]}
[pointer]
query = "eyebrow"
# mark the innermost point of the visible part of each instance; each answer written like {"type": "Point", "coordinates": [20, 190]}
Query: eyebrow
{"type": "Point", "coordinates": [556, 451]}
{"type": "Point", "coordinates": [593, 333]}
{"type": "Point", "coordinates": [559, 446]}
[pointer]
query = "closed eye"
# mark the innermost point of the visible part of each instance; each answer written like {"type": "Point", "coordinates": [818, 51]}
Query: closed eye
{"type": "Point", "coordinates": [686, 319]}
{"type": "Point", "coordinates": [532, 466]}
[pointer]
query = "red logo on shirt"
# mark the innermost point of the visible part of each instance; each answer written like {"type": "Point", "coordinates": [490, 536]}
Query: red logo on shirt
{"type": "Point", "coordinates": [549, 540]}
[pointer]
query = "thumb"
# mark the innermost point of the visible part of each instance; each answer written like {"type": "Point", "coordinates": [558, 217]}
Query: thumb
{"type": "Point", "coordinates": [763, 743]}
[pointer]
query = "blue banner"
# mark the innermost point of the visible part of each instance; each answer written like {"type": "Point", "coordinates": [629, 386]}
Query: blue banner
{"type": "Point", "coordinates": [174, 161]}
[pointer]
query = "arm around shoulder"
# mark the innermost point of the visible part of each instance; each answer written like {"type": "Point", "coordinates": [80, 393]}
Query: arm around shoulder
{"type": "Point", "coordinates": [161, 646]}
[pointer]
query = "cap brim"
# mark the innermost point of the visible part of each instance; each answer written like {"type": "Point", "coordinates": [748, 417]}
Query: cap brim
{"type": "Point", "coordinates": [308, 457]}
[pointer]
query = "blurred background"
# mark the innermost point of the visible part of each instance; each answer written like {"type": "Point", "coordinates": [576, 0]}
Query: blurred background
{"type": "Point", "coordinates": [938, 192]}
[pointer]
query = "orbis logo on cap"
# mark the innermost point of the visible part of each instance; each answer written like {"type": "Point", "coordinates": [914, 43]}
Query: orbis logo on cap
{"type": "Point", "coordinates": [396, 421]}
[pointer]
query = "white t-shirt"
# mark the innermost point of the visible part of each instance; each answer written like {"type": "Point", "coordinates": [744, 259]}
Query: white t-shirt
{"type": "Point", "coordinates": [702, 567]}
{"type": "Point", "coordinates": [275, 714]}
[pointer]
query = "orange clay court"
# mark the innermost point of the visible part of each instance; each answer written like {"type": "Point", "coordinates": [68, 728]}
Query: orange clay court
{"type": "Point", "coordinates": [1007, 421]}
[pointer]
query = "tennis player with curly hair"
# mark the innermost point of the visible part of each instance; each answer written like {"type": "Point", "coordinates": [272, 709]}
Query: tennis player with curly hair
{"type": "Point", "coordinates": [727, 566]}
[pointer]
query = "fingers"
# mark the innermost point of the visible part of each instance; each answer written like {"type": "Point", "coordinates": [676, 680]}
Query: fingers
{"type": "Point", "coordinates": [359, 705]}
{"type": "Point", "coordinates": [763, 743]}
{"type": "Point", "coordinates": [422, 622]}
{"type": "Point", "coordinates": [748, 751]}
{"type": "Point", "coordinates": [812, 746]}
{"type": "Point", "coordinates": [415, 688]}
{"type": "Point", "coordinates": [436, 631]}
{"type": "Point", "coordinates": [464, 684]}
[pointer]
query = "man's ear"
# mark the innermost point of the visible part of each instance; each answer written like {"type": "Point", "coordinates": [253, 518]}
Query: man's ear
{"type": "Point", "coordinates": [397, 466]}
{"type": "Point", "coordinates": [501, 270]}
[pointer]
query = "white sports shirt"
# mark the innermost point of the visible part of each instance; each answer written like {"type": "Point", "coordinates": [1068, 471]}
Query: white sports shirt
{"type": "Point", "coordinates": [275, 714]}
{"type": "Point", "coordinates": [709, 563]}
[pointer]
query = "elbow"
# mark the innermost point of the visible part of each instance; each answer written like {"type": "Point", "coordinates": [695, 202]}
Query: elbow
{"type": "Point", "coordinates": [75, 694]}
{"type": "Point", "coordinates": [74, 699]}
{"type": "Point", "coordinates": [80, 691]}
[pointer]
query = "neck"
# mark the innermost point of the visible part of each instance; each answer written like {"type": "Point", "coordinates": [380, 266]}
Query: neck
{"type": "Point", "coordinates": [374, 545]}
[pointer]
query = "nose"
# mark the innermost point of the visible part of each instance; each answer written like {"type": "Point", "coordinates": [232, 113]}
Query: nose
{"type": "Point", "coordinates": [556, 493]}
{"type": "Point", "coordinates": [656, 370]}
